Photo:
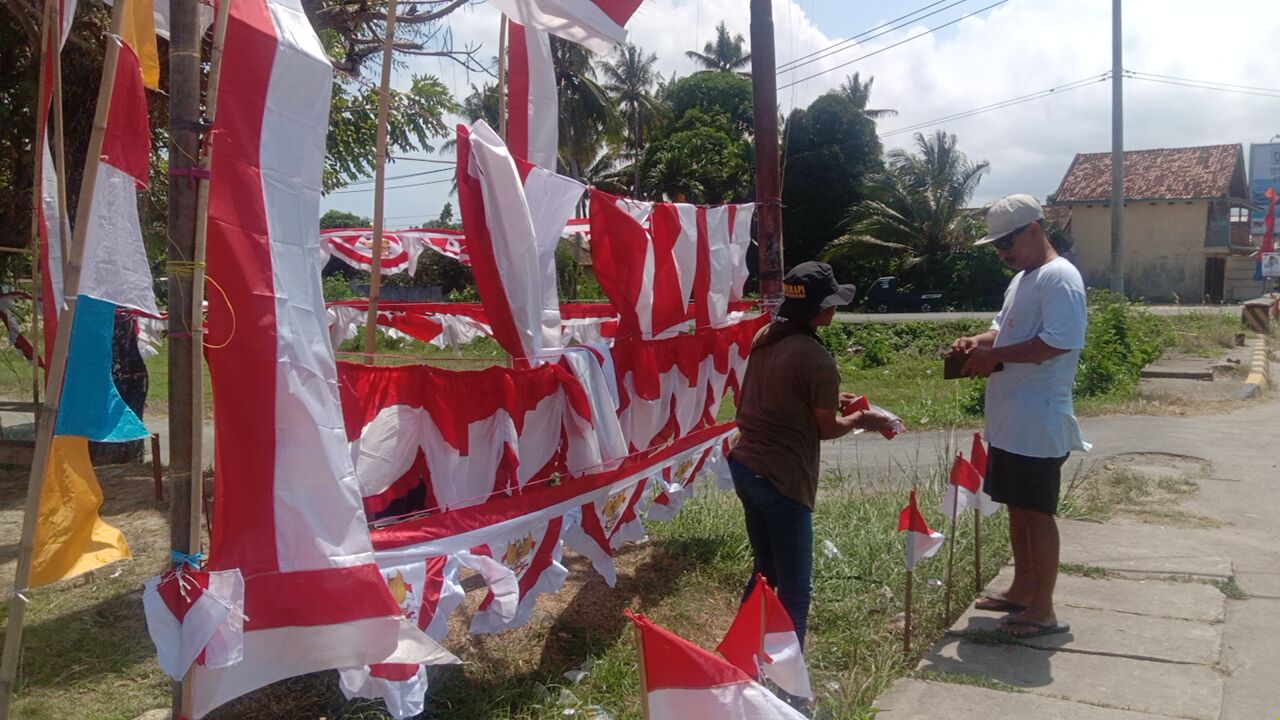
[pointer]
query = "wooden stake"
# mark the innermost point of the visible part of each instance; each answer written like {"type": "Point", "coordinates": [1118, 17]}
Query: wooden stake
{"type": "Point", "coordinates": [977, 551]}
{"type": "Point", "coordinates": [57, 368]}
{"type": "Point", "coordinates": [157, 469]}
{"type": "Point", "coordinates": [195, 537]}
{"type": "Point", "coordinates": [644, 681]}
{"type": "Point", "coordinates": [906, 627]}
{"type": "Point", "coordinates": [379, 183]}
{"type": "Point", "coordinates": [502, 79]}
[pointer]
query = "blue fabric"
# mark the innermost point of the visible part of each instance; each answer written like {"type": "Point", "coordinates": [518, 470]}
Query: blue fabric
{"type": "Point", "coordinates": [181, 559]}
{"type": "Point", "coordinates": [781, 534]}
{"type": "Point", "coordinates": [91, 405]}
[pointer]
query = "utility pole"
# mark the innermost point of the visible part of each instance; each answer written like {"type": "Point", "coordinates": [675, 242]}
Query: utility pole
{"type": "Point", "coordinates": [184, 153]}
{"type": "Point", "coordinates": [1117, 153]}
{"type": "Point", "coordinates": [768, 183]}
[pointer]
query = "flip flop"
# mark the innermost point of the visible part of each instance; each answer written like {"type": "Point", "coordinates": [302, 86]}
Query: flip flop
{"type": "Point", "coordinates": [995, 604]}
{"type": "Point", "coordinates": [1041, 629]}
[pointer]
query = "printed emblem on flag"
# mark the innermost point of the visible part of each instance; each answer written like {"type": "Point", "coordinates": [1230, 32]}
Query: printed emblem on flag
{"type": "Point", "coordinates": [612, 511]}
{"type": "Point", "coordinates": [518, 554]}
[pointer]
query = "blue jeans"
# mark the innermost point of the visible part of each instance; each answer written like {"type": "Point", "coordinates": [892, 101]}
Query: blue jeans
{"type": "Point", "coordinates": [781, 534]}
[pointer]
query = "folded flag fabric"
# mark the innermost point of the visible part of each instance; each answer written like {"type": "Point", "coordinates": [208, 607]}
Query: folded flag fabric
{"type": "Point", "coordinates": [922, 542]}
{"type": "Point", "coordinates": [195, 615]}
{"type": "Point", "coordinates": [964, 491]}
{"type": "Point", "coordinates": [762, 641]}
{"type": "Point", "coordinates": [685, 682]}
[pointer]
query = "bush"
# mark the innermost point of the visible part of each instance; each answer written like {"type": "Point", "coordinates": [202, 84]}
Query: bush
{"type": "Point", "coordinates": [1121, 340]}
{"type": "Point", "coordinates": [336, 288]}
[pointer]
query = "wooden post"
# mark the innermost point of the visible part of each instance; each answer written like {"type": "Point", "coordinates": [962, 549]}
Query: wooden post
{"type": "Point", "coordinates": [195, 500]}
{"type": "Point", "coordinates": [906, 626]}
{"type": "Point", "coordinates": [379, 182]}
{"type": "Point", "coordinates": [57, 368]}
{"type": "Point", "coordinates": [644, 681]}
{"type": "Point", "coordinates": [157, 469]}
{"type": "Point", "coordinates": [47, 45]}
{"type": "Point", "coordinates": [768, 183]}
{"type": "Point", "coordinates": [977, 551]}
{"type": "Point", "coordinates": [502, 79]}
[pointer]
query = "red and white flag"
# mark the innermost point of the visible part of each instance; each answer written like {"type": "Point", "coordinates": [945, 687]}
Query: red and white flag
{"type": "Point", "coordinates": [763, 640]}
{"type": "Point", "coordinates": [513, 214]}
{"type": "Point", "coordinates": [978, 457]}
{"type": "Point", "coordinates": [533, 104]}
{"type": "Point", "coordinates": [922, 542]}
{"type": "Point", "coordinates": [287, 507]}
{"type": "Point", "coordinates": [964, 490]}
{"type": "Point", "coordinates": [195, 615]}
{"type": "Point", "coordinates": [685, 682]}
{"type": "Point", "coordinates": [594, 24]}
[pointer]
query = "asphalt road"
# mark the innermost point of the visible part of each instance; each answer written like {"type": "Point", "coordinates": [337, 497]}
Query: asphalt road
{"type": "Point", "coordinates": [986, 314]}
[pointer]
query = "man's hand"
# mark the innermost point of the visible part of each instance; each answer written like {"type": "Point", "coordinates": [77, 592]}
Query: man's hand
{"type": "Point", "coordinates": [971, 342]}
{"type": "Point", "coordinates": [981, 363]}
{"type": "Point", "coordinates": [845, 399]}
{"type": "Point", "coordinates": [874, 421]}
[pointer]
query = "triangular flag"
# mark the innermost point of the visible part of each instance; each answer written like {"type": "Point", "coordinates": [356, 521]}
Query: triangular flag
{"type": "Point", "coordinates": [684, 682]}
{"type": "Point", "coordinates": [139, 33]}
{"type": "Point", "coordinates": [922, 542]}
{"type": "Point", "coordinates": [978, 455]}
{"type": "Point", "coordinates": [762, 639]}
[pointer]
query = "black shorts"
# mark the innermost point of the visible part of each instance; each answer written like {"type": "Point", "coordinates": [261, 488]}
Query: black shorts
{"type": "Point", "coordinates": [1019, 481]}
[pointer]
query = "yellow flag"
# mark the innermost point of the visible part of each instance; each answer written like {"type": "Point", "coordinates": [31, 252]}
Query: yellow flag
{"type": "Point", "coordinates": [139, 33]}
{"type": "Point", "coordinates": [70, 536]}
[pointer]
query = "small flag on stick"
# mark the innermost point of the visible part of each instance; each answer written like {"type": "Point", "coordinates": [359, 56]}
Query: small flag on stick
{"type": "Point", "coordinates": [762, 642]}
{"type": "Point", "coordinates": [922, 542]}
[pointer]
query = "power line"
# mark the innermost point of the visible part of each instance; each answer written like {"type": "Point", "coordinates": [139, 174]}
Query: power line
{"type": "Point", "coordinates": [851, 42]}
{"type": "Point", "coordinates": [1206, 82]}
{"type": "Point", "coordinates": [894, 45]}
{"type": "Point", "coordinates": [1205, 85]}
{"type": "Point", "coordinates": [1056, 90]}
{"type": "Point", "coordinates": [402, 177]}
{"type": "Point", "coordinates": [396, 187]}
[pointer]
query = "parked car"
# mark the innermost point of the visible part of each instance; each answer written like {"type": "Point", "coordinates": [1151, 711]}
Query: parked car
{"type": "Point", "coordinates": [884, 296]}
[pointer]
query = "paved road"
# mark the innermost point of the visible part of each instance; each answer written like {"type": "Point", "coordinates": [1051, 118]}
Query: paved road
{"type": "Point", "coordinates": [986, 314]}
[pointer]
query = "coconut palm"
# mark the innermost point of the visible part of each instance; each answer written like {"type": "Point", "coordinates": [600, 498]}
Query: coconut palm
{"type": "Point", "coordinates": [725, 53]}
{"type": "Point", "coordinates": [588, 118]}
{"type": "Point", "coordinates": [916, 207]}
{"type": "Point", "coordinates": [860, 93]}
{"type": "Point", "coordinates": [629, 78]}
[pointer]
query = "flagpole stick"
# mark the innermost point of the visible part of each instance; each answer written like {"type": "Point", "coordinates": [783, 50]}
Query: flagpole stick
{"type": "Point", "coordinates": [379, 186]}
{"type": "Point", "coordinates": [195, 537]}
{"type": "Point", "coordinates": [644, 681]}
{"type": "Point", "coordinates": [57, 368]}
{"type": "Point", "coordinates": [906, 628]}
{"type": "Point", "coordinates": [47, 45]}
{"type": "Point", "coordinates": [951, 552]}
{"type": "Point", "coordinates": [977, 550]}
{"type": "Point", "coordinates": [502, 79]}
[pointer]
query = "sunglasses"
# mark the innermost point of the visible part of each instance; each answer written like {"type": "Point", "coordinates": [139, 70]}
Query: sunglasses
{"type": "Point", "coordinates": [1006, 241]}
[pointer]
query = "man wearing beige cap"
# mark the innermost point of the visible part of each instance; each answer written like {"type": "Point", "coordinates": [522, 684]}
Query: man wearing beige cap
{"type": "Point", "coordinates": [1029, 357]}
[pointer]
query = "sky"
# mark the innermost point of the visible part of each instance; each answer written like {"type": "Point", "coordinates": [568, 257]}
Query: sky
{"type": "Point", "coordinates": [1016, 48]}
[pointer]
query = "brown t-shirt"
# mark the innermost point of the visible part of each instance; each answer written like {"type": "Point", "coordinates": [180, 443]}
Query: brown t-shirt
{"type": "Point", "coordinates": [790, 374]}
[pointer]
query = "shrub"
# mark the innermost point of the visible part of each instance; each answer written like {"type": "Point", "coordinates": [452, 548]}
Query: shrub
{"type": "Point", "coordinates": [1122, 339]}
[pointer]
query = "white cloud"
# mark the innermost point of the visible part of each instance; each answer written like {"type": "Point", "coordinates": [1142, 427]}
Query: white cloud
{"type": "Point", "coordinates": [1017, 48]}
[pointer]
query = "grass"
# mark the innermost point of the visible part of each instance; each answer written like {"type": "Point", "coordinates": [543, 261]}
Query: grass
{"type": "Point", "coordinates": [87, 654]}
{"type": "Point", "coordinates": [1231, 588]}
{"type": "Point", "coordinates": [1132, 487]}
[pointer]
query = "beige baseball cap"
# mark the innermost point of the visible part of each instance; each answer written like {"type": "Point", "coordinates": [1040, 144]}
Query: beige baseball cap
{"type": "Point", "coordinates": [1010, 213]}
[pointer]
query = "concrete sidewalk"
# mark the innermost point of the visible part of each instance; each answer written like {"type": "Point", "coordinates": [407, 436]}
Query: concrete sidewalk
{"type": "Point", "coordinates": [1167, 622]}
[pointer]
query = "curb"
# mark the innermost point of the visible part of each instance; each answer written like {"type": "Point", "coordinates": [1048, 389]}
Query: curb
{"type": "Point", "coordinates": [1259, 371]}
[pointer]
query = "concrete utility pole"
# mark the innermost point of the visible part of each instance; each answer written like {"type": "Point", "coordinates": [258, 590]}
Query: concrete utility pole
{"type": "Point", "coordinates": [764, 83]}
{"type": "Point", "coordinates": [1117, 153]}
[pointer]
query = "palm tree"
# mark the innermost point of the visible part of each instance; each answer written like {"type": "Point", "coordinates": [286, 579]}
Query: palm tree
{"type": "Point", "coordinates": [916, 207]}
{"type": "Point", "coordinates": [588, 118]}
{"type": "Point", "coordinates": [860, 94]}
{"type": "Point", "coordinates": [628, 79]}
{"type": "Point", "coordinates": [725, 53]}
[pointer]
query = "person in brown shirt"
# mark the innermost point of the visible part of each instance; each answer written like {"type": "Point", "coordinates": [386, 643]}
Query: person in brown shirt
{"type": "Point", "coordinates": [789, 401]}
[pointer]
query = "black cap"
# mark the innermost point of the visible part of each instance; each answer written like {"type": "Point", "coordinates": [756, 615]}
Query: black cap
{"type": "Point", "coordinates": [809, 289]}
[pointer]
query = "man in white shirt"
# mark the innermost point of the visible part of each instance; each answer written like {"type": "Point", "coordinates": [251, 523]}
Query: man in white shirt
{"type": "Point", "coordinates": [1029, 357]}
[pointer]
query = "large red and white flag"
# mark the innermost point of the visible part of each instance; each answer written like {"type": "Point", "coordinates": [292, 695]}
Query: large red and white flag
{"type": "Point", "coordinates": [964, 490]}
{"type": "Point", "coordinates": [685, 682]}
{"type": "Point", "coordinates": [513, 214]}
{"type": "Point", "coordinates": [922, 542]}
{"type": "Point", "coordinates": [287, 507]}
{"type": "Point", "coordinates": [595, 24]}
{"type": "Point", "coordinates": [533, 105]}
{"type": "Point", "coordinates": [762, 641]}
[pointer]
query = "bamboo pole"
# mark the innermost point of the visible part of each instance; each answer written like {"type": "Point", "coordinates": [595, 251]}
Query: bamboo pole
{"type": "Point", "coordinates": [644, 680]}
{"type": "Point", "coordinates": [977, 550]}
{"type": "Point", "coordinates": [47, 45]}
{"type": "Point", "coordinates": [502, 79]}
{"type": "Point", "coordinates": [379, 186]}
{"type": "Point", "coordinates": [57, 368]}
{"type": "Point", "coordinates": [906, 627]}
{"type": "Point", "coordinates": [196, 320]}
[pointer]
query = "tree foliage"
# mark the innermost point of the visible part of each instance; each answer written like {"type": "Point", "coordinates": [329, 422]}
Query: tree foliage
{"type": "Point", "coordinates": [829, 148]}
{"type": "Point", "coordinates": [333, 219]}
{"type": "Point", "coordinates": [704, 159]}
{"type": "Point", "coordinates": [629, 80]}
{"type": "Point", "coordinates": [714, 93]}
{"type": "Point", "coordinates": [916, 208]}
{"type": "Point", "coordinates": [726, 53]}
